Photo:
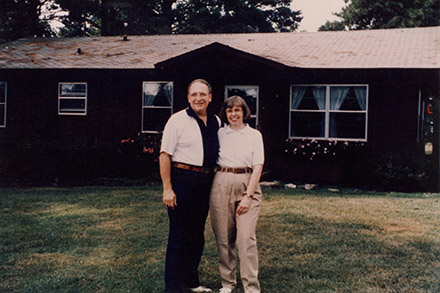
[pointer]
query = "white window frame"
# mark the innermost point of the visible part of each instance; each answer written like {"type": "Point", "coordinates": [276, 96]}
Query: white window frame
{"type": "Point", "coordinates": [327, 112]}
{"type": "Point", "coordinates": [253, 116]}
{"type": "Point", "coordinates": [3, 123]}
{"type": "Point", "coordinates": [155, 107]}
{"type": "Point", "coordinates": [76, 112]}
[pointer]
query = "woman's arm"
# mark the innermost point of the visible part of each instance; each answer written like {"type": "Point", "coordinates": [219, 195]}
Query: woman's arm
{"type": "Point", "coordinates": [252, 187]}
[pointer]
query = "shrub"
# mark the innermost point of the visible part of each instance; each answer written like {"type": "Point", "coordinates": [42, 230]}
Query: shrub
{"type": "Point", "coordinates": [398, 172]}
{"type": "Point", "coordinates": [140, 154]}
{"type": "Point", "coordinates": [356, 164]}
{"type": "Point", "coordinates": [34, 161]}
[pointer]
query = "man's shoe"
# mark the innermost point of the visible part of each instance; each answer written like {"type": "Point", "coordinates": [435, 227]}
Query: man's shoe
{"type": "Point", "coordinates": [200, 289]}
{"type": "Point", "coordinates": [225, 290]}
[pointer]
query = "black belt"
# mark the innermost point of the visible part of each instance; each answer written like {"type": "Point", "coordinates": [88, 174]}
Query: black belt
{"type": "Point", "coordinates": [197, 169]}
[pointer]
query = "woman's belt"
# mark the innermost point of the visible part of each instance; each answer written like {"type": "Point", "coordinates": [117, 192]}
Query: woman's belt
{"type": "Point", "coordinates": [197, 169]}
{"type": "Point", "coordinates": [235, 170]}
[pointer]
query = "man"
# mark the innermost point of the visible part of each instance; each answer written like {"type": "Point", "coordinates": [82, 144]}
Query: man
{"type": "Point", "coordinates": [187, 159]}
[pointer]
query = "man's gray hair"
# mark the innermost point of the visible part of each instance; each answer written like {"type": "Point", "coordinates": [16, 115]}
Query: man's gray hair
{"type": "Point", "coordinates": [201, 81]}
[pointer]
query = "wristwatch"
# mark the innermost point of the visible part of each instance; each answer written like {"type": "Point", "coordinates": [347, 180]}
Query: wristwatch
{"type": "Point", "coordinates": [248, 195]}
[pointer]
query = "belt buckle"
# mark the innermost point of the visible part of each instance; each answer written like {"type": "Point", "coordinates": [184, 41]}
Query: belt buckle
{"type": "Point", "coordinates": [205, 170]}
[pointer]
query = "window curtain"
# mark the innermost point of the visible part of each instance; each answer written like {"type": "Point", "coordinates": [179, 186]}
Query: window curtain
{"type": "Point", "coordinates": [72, 90]}
{"type": "Point", "coordinates": [298, 95]}
{"type": "Point", "coordinates": [361, 97]}
{"type": "Point", "coordinates": [169, 92]}
{"type": "Point", "coordinates": [338, 96]}
{"type": "Point", "coordinates": [66, 89]}
{"type": "Point", "coordinates": [319, 95]}
{"type": "Point", "coordinates": [2, 92]}
{"type": "Point", "coordinates": [150, 93]}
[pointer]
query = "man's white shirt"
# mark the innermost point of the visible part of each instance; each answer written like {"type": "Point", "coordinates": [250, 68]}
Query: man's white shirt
{"type": "Point", "coordinates": [182, 139]}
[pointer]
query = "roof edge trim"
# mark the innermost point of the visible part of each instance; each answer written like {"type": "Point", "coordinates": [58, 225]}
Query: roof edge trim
{"type": "Point", "coordinates": [218, 46]}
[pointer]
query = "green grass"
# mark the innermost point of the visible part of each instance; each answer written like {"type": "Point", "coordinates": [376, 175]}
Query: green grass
{"type": "Point", "coordinates": [113, 239]}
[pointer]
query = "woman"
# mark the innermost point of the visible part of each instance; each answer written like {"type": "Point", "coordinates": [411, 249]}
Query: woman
{"type": "Point", "coordinates": [236, 196]}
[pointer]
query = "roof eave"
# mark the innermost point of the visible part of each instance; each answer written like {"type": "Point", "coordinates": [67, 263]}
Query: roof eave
{"type": "Point", "coordinates": [218, 46]}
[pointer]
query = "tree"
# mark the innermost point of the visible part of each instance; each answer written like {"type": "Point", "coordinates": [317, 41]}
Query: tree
{"type": "Point", "coordinates": [381, 14]}
{"type": "Point", "coordinates": [332, 26]}
{"type": "Point", "coordinates": [216, 16]}
{"type": "Point", "coordinates": [24, 18]}
{"type": "Point", "coordinates": [117, 17]}
{"type": "Point", "coordinates": [83, 18]}
{"type": "Point", "coordinates": [138, 17]}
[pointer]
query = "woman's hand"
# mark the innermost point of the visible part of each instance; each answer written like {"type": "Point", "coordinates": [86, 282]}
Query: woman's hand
{"type": "Point", "coordinates": [244, 205]}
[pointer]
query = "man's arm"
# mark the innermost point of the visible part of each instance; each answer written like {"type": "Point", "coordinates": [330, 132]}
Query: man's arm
{"type": "Point", "coordinates": [169, 197]}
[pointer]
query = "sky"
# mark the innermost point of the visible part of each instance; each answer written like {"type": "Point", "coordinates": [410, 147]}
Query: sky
{"type": "Point", "coordinates": [316, 12]}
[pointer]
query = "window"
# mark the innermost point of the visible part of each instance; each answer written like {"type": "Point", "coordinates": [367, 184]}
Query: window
{"type": "Point", "coordinates": [2, 104]}
{"type": "Point", "coordinates": [157, 105]}
{"type": "Point", "coordinates": [250, 94]}
{"type": "Point", "coordinates": [72, 98]}
{"type": "Point", "coordinates": [337, 112]}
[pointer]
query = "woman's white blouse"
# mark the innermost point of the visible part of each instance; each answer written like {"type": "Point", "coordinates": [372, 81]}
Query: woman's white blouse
{"type": "Point", "coordinates": [242, 148]}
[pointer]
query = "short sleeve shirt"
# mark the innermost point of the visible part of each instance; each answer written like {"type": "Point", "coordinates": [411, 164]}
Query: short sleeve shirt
{"type": "Point", "coordinates": [239, 149]}
{"type": "Point", "coordinates": [189, 141]}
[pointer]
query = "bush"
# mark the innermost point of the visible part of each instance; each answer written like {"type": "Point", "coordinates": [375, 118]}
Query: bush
{"type": "Point", "coordinates": [139, 156]}
{"type": "Point", "coordinates": [79, 161]}
{"type": "Point", "coordinates": [355, 164]}
{"type": "Point", "coordinates": [397, 172]}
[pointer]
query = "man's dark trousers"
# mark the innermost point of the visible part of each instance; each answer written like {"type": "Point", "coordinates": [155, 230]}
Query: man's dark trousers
{"type": "Point", "coordinates": [187, 224]}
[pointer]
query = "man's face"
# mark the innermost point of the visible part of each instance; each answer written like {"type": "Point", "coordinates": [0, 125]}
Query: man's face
{"type": "Point", "coordinates": [199, 97]}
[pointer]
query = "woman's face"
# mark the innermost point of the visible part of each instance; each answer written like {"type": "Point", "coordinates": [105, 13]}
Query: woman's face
{"type": "Point", "coordinates": [235, 115]}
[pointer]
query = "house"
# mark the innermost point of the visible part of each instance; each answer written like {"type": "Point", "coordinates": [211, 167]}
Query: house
{"type": "Point", "coordinates": [356, 108]}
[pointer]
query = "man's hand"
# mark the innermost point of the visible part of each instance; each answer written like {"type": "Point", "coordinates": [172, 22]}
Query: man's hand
{"type": "Point", "coordinates": [169, 198]}
{"type": "Point", "coordinates": [244, 205]}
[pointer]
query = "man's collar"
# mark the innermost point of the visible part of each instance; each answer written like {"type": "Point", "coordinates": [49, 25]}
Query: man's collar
{"type": "Point", "coordinates": [193, 114]}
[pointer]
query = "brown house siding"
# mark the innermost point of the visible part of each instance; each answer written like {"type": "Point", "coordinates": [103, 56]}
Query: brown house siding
{"type": "Point", "coordinates": [36, 143]}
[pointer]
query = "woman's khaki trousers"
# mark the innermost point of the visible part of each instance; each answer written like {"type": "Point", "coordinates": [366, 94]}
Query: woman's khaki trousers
{"type": "Point", "coordinates": [231, 230]}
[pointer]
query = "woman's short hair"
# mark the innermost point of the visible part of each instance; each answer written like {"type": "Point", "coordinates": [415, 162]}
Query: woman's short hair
{"type": "Point", "coordinates": [201, 81]}
{"type": "Point", "coordinates": [235, 101]}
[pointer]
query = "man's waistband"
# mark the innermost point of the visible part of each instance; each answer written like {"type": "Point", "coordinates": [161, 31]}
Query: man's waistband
{"type": "Point", "coordinates": [197, 169]}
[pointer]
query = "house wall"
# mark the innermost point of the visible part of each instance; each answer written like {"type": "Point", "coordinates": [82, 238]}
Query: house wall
{"type": "Point", "coordinates": [392, 132]}
{"type": "Point", "coordinates": [38, 145]}
{"type": "Point", "coordinates": [113, 103]}
{"type": "Point", "coordinates": [392, 120]}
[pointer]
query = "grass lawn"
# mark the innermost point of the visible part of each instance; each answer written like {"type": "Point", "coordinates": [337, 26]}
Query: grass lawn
{"type": "Point", "coordinates": [113, 239]}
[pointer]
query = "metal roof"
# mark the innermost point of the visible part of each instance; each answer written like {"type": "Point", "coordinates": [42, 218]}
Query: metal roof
{"type": "Point", "coordinates": [387, 48]}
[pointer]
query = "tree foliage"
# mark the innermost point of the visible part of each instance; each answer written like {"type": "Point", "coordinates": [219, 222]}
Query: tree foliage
{"type": "Point", "coordinates": [215, 16]}
{"type": "Point", "coordinates": [24, 18]}
{"type": "Point", "coordinates": [382, 14]}
{"type": "Point", "coordinates": [83, 18]}
{"type": "Point", "coordinates": [332, 26]}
